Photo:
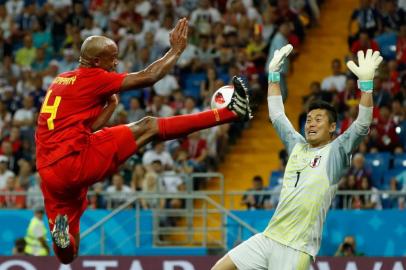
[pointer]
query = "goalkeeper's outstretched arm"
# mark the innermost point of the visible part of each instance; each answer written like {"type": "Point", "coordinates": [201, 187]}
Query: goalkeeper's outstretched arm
{"type": "Point", "coordinates": [275, 103]}
{"type": "Point", "coordinates": [283, 127]}
{"type": "Point", "coordinates": [365, 71]}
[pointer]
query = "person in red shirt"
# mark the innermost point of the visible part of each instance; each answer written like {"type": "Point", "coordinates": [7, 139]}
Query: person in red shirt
{"type": "Point", "coordinates": [73, 154]}
{"type": "Point", "coordinates": [10, 200]}
{"type": "Point", "coordinates": [364, 43]}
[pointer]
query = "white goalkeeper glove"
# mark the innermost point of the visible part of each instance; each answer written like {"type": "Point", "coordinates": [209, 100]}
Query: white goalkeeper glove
{"type": "Point", "coordinates": [365, 70]}
{"type": "Point", "coordinates": [277, 61]}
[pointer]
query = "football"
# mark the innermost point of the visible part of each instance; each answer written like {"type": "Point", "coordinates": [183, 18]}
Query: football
{"type": "Point", "coordinates": [222, 97]}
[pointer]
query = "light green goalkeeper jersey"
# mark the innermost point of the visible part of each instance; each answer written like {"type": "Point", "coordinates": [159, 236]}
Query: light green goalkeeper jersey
{"type": "Point", "coordinates": [309, 185]}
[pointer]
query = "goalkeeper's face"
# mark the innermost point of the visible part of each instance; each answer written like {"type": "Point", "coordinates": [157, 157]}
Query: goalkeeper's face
{"type": "Point", "coordinates": [318, 128]}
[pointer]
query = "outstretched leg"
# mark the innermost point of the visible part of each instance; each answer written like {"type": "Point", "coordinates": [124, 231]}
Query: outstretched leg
{"type": "Point", "coordinates": [168, 128]}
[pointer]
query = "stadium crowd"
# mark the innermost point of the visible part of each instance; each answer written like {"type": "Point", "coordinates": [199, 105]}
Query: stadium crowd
{"type": "Point", "coordinates": [39, 39]}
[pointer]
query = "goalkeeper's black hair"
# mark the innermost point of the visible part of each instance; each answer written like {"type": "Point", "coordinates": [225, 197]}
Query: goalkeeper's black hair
{"type": "Point", "coordinates": [331, 111]}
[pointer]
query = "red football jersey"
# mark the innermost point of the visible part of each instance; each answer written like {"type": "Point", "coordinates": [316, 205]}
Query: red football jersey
{"type": "Point", "coordinates": [73, 102]}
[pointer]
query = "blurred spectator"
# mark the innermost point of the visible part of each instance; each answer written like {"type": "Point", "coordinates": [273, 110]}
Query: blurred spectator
{"type": "Point", "coordinates": [19, 247]}
{"type": "Point", "coordinates": [5, 46]}
{"type": "Point", "coordinates": [196, 148]}
{"type": "Point", "coordinates": [359, 170]}
{"type": "Point", "coordinates": [78, 15]}
{"type": "Point", "coordinates": [367, 19]}
{"type": "Point", "coordinates": [162, 35]}
{"type": "Point", "coordinates": [25, 56]}
{"type": "Point", "coordinates": [165, 86]}
{"type": "Point", "coordinates": [370, 201]}
{"type": "Point", "coordinates": [15, 7]}
{"type": "Point", "coordinates": [158, 108]}
{"type": "Point", "coordinates": [401, 47]}
{"type": "Point", "coordinates": [256, 201]}
{"type": "Point", "coordinates": [10, 200]}
{"type": "Point", "coordinates": [363, 43]}
{"type": "Point", "coordinates": [97, 200]}
{"type": "Point", "coordinates": [383, 133]}
{"type": "Point", "coordinates": [5, 119]}
{"type": "Point", "coordinates": [34, 193]}
{"type": "Point", "coordinates": [349, 116]}
{"type": "Point", "coordinates": [158, 153]}
{"type": "Point", "coordinates": [169, 182]}
{"type": "Point", "coordinates": [190, 106]}
{"type": "Point", "coordinates": [280, 40]}
{"type": "Point", "coordinates": [381, 96]}
{"type": "Point", "coordinates": [392, 16]}
{"type": "Point", "coordinates": [24, 118]}
{"type": "Point", "coordinates": [25, 176]}
{"type": "Point", "coordinates": [90, 28]}
{"type": "Point", "coordinates": [5, 173]}
{"type": "Point", "coordinates": [50, 74]}
{"type": "Point", "coordinates": [118, 193]}
{"type": "Point", "coordinates": [205, 15]}
{"type": "Point", "coordinates": [348, 248]}
{"type": "Point", "coordinates": [335, 82]}
{"type": "Point", "coordinates": [40, 63]}
{"type": "Point", "coordinates": [182, 163]}
{"type": "Point", "coordinates": [205, 51]}
{"type": "Point", "coordinates": [68, 62]}
{"type": "Point", "coordinates": [150, 185]}
{"type": "Point", "coordinates": [399, 183]}
{"type": "Point", "coordinates": [36, 243]}
{"type": "Point", "coordinates": [135, 112]}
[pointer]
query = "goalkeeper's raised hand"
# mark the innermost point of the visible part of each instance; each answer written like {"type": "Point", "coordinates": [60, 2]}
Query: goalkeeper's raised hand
{"type": "Point", "coordinates": [277, 61]}
{"type": "Point", "coordinates": [365, 71]}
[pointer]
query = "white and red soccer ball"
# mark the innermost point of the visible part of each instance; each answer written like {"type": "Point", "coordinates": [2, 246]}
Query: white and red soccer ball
{"type": "Point", "coordinates": [222, 97]}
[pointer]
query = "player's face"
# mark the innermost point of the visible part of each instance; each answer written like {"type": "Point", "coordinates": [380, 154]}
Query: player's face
{"type": "Point", "coordinates": [318, 128]}
{"type": "Point", "coordinates": [109, 60]}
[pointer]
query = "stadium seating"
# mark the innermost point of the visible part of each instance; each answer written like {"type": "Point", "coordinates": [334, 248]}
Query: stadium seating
{"type": "Point", "coordinates": [378, 163]}
{"type": "Point", "coordinates": [399, 161]}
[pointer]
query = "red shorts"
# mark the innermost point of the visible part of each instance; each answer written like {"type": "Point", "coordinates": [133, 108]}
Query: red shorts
{"type": "Point", "coordinates": [65, 183]}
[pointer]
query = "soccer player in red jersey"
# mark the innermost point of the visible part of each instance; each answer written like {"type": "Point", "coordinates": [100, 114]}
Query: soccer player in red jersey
{"type": "Point", "coordinates": [73, 154]}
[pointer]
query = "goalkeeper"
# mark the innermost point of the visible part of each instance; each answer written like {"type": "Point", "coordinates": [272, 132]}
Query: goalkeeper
{"type": "Point", "coordinates": [316, 164]}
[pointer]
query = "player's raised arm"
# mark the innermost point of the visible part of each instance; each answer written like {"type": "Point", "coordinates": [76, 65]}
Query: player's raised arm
{"type": "Point", "coordinates": [283, 127]}
{"type": "Point", "coordinates": [365, 71]}
{"type": "Point", "coordinates": [158, 69]}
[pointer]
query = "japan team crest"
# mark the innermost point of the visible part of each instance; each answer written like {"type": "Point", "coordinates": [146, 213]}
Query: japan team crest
{"type": "Point", "coordinates": [315, 161]}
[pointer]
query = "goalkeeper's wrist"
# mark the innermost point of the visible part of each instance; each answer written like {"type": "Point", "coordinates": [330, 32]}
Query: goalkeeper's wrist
{"type": "Point", "coordinates": [274, 77]}
{"type": "Point", "coordinates": [366, 85]}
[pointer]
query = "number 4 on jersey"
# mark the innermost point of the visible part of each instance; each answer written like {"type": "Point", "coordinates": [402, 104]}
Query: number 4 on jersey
{"type": "Point", "coordinates": [52, 109]}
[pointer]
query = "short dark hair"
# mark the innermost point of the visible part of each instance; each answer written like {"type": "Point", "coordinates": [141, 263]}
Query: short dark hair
{"type": "Point", "coordinates": [320, 104]}
{"type": "Point", "coordinates": [257, 178]}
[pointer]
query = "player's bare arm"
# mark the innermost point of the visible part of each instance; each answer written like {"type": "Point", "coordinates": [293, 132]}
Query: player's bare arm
{"type": "Point", "coordinates": [158, 69]}
{"type": "Point", "coordinates": [105, 115]}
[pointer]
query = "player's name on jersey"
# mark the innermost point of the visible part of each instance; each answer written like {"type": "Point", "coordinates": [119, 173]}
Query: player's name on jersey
{"type": "Point", "coordinates": [64, 81]}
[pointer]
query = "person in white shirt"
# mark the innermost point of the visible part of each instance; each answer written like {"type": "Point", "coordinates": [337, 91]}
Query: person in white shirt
{"type": "Point", "coordinates": [118, 192]}
{"type": "Point", "coordinates": [162, 35]}
{"type": "Point", "coordinates": [91, 29]}
{"type": "Point", "coordinates": [165, 86]}
{"type": "Point", "coordinates": [159, 108]}
{"type": "Point", "coordinates": [24, 117]}
{"type": "Point", "coordinates": [158, 153]}
{"type": "Point", "coordinates": [336, 81]}
{"type": "Point", "coordinates": [205, 15]}
{"type": "Point", "coordinates": [5, 173]}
